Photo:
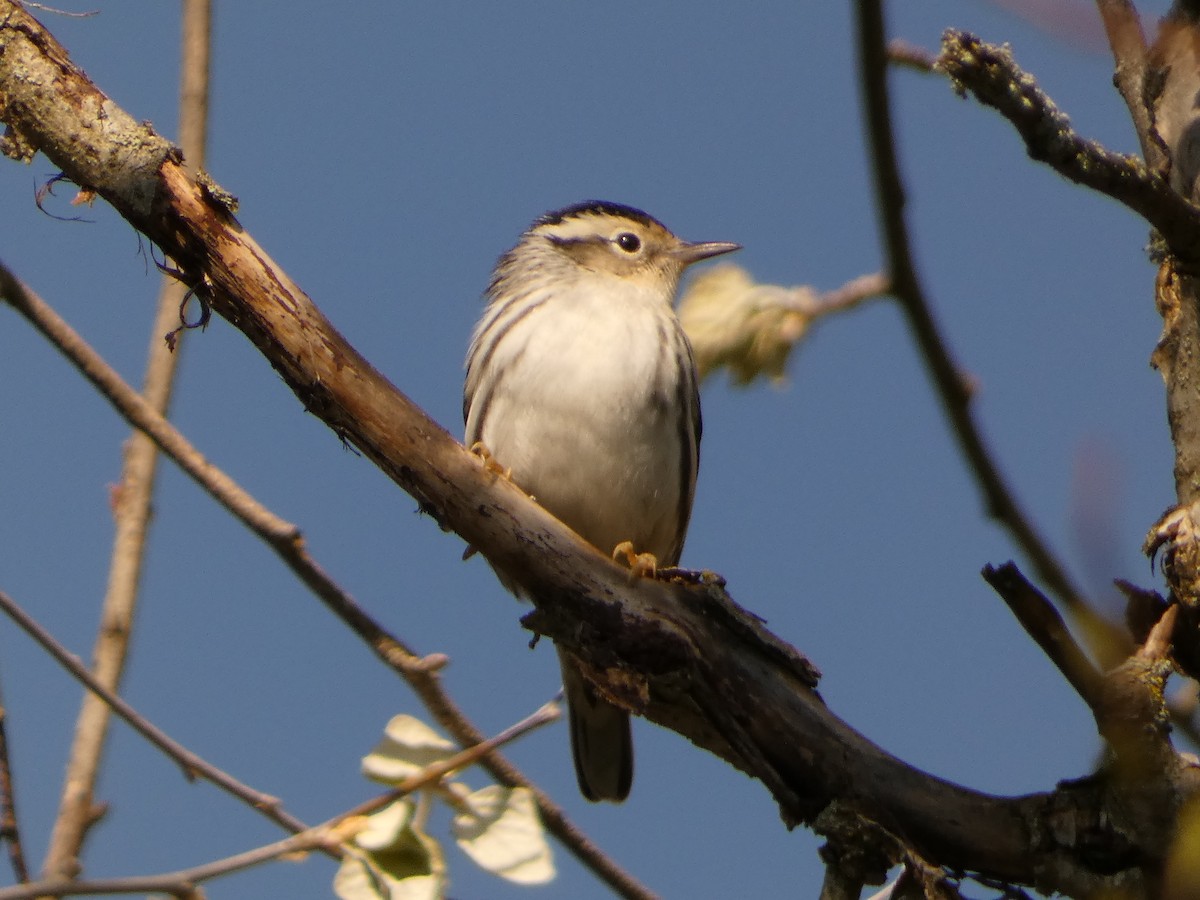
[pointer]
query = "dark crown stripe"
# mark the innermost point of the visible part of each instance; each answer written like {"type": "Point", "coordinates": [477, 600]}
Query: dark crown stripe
{"type": "Point", "coordinates": [599, 207]}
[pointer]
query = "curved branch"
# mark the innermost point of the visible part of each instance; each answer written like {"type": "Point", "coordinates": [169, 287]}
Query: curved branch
{"type": "Point", "coordinates": [328, 837]}
{"type": "Point", "coordinates": [285, 539]}
{"type": "Point", "coordinates": [10, 831]}
{"type": "Point", "coordinates": [952, 388]}
{"type": "Point", "coordinates": [990, 73]}
{"type": "Point", "coordinates": [1042, 622]}
{"type": "Point", "coordinates": [132, 499]}
{"type": "Point", "coordinates": [1128, 44]}
{"type": "Point", "coordinates": [993, 77]}
{"type": "Point", "coordinates": [191, 763]}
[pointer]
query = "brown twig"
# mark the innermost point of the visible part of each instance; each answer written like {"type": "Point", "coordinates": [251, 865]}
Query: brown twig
{"type": "Point", "coordinates": [132, 504]}
{"type": "Point", "coordinates": [470, 756]}
{"type": "Point", "coordinates": [182, 883]}
{"type": "Point", "coordinates": [909, 56]}
{"type": "Point", "coordinates": [1127, 704]}
{"type": "Point", "coordinates": [192, 764]}
{"type": "Point", "coordinates": [1127, 41]}
{"type": "Point", "coordinates": [1136, 724]}
{"type": "Point", "coordinates": [1042, 622]}
{"type": "Point", "coordinates": [10, 831]}
{"type": "Point", "coordinates": [325, 837]}
{"type": "Point", "coordinates": [1157, 646]}
{"type": "Point", "coordinates": [952, 388]}
{"type": "Point", "coordinates": [751, 329]}
{"type": "Point", "coordinates": [993, 77]}
{"type": "Point", "coordinates": [853, 293]}
{"type": "Point", "coordinates": [285, 539]}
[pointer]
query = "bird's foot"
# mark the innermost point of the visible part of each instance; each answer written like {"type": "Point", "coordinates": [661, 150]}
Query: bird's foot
{"type": "Point", "coordinates": [642, 565]}
{"type": "Point", "coordinates": [489, 462]}
{"type": "Point", "coordinates": [489, 465]}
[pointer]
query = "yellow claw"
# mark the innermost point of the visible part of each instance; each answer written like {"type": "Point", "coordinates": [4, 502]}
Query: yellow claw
{"type": "Point", "coordinates": [642, 565]}
{"type": "Point", "coordinates": [489, 462]}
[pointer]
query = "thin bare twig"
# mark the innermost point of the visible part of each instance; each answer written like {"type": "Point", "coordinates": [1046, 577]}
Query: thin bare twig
{"type": "Point", "coordinates": [182, 883]}
{"type": "Point", "coordinates": [1157, 646]}
{"type": "Point", "coordinates": [1128, 43]}
{"type": "Point", "coordinates": [751, 329]}
{"type": "Point", "coordinates": [952, 388]}
{"type": "Point", "coordinates": [192, 764]}
{"type": "Point", "coordinates": [62, 12]}
{"type": "Point", "coordinates": [285, 539]}
{"type": "Point", "coordinates": [991, 74]}
{"type": "Point", "coordinates": [10, 831]}
{"type": "Point", "coordinates": [326, 837]}
{"type": "Point", "coordinates": [909, 56]}
{"type": "Point", "coordinates": [544, 715]}
{"type": "Point", "coordinates": [852, 293]}
{"type": "Point", "coordinates": [1042, 622]}
{"type": "Point", "coordinates": [132, 504]}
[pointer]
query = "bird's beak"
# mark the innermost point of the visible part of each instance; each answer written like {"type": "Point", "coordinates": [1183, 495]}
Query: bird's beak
{"type": "Point", "coordinates": [688, 253]}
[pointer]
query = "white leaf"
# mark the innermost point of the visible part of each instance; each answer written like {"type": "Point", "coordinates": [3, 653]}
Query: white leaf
{"type": "Point", "coordinates": [396, 862]}
{"type": "Point", "coordinates": [408, 746]}
{"type": "Point", "coordinates": [385, 827]}
{"type": "Point", "coordinates": [361, 878]}
{"type": "Point", "coordinates": [501, 832]}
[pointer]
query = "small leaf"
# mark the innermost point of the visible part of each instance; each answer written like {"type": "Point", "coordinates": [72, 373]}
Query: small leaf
{"type": "Point", "coordinates": [358, 878]}
{"type": "Point", "coordinates": [361, 877]}
{"type": "Point", "coordinates": [408, 746]}
{"type": "Point", "coordinates": [386, 827]}
{"type": "Point", "coordinates": [500, 830]}
{"type": "Point", "coordinates": [392, 860]}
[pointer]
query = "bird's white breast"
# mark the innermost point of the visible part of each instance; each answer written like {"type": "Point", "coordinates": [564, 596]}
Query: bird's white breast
{"type": "Point", "coordinates": [585, 412]}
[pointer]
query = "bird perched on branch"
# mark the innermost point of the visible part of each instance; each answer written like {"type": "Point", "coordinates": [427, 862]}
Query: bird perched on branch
{"type": "Point", "coordinates": [582, 388]}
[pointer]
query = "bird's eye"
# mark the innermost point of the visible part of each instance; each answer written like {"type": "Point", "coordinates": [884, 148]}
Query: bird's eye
{"type": "Point", "coordinates": [629, 242]}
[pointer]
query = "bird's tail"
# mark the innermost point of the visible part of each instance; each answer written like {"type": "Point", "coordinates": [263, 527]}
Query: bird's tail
{"type": "Point", "coordinates": [600, 740]}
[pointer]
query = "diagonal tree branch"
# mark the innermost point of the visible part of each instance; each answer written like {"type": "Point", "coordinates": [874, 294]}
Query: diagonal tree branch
{"type": "Point", "coordinates": [132, 499]}
{"type": "Point", "coordinates": [10, 830]}
{"type": "Point", "coordinates": [328, 837]}
{"type": "Point", "coordinates": [192, 764]}
{"type": "Point", "coordinates": [284, 538]}
{"type": "Point", "coordinates": [1042, 622]}
{"type": "Point", "coordinates": [991, 75]}
{"type": "Point", "coordinates": [1123, 26]}
{"type": "Point", "coordinates": [952, 388]}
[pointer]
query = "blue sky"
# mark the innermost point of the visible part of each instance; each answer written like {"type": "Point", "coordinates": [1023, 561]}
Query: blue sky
{"type": "Point", "coordinates": [385, 157]}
